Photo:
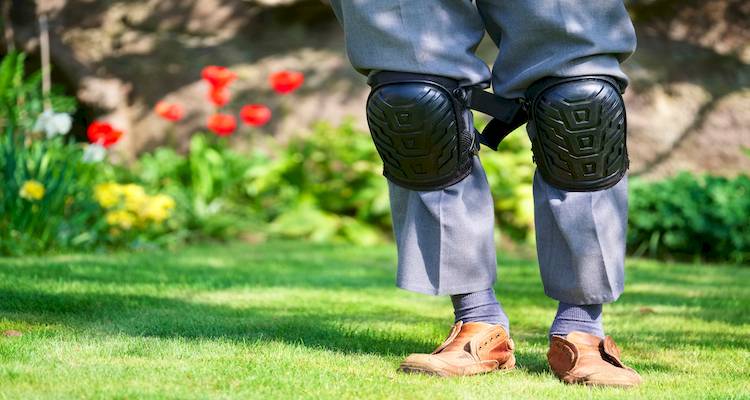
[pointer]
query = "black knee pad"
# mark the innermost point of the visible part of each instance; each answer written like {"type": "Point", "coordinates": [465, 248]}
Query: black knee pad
{"type": "Point", "coordinates": [421, 129]}
{"type": "Point", "coordinates": [579, 143]}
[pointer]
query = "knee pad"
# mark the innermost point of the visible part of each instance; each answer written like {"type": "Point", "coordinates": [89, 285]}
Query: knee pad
{"type": "Point", "coordinates": [579, 143]}
{"type": "Point", "coordinates": [421, 129]}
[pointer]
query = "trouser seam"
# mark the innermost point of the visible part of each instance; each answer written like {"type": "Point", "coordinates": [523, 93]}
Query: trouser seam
{"type": "Point", "coordinates": [440, 240]}
{"type": "Point", "coordinates": [599, 241]}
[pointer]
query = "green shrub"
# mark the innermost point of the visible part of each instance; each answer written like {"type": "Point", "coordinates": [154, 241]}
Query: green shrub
{"type": "Point", "coordinates": [329, 186]}
{"type": "Point", "coordinates": [45, 200]}
{"type": "Point", "coordinates": [687, 216]}
{"type": "Point", "coordinates": [43, 203]}
{"type": "Point", "coordinates": [324, 186]}
{"type": "Point", "coordinates": [207, 184]}
{"type": "Point", "coordinates": [55, 194]}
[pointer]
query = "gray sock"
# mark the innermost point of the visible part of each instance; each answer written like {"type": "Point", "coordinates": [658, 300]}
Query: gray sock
{"type": "Point", "coordinates": [583, 318]}
{"type": "Point", "coordinates": [479, 306]}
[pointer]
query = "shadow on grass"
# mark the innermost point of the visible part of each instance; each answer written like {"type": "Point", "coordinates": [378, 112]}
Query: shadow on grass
{"type": "Point", "coordinates": [283, 266]}
{"type": "Point", "coordinates": [148, 316]}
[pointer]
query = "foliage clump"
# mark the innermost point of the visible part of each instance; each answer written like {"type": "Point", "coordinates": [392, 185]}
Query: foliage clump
{"type": "Point", "coordinates": [691, 216]}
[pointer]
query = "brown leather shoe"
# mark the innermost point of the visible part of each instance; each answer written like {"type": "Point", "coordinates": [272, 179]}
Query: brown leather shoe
{"type": "Point", "coordinates": [471, 348]}
{"type": "Point", "coordinates": [589, 360]}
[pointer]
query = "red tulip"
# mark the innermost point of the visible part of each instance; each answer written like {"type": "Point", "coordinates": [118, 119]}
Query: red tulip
{"type": "Point", "coordinates": [218, 77]}
{"type": "Point", "coordinates": [103, 133]}
{"type": "Point", "coordinates": [255, 114]}
{"type": "Point", "coordinates": [219, 96]}
{"type": "Point", "coordinates": [284, 82]}
{"type": "Point", "coordinates": [169, 111]}
{"type": "Point", "coordinates": [222, 124]}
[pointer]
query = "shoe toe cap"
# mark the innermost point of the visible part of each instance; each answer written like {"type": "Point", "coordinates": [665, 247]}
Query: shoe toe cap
{"type": "Point", "coordinates": [615, 377]}
{"type": "Point", "coordinates": [423, 363]}
{"type": "Point", "coordinates": [432, 360]}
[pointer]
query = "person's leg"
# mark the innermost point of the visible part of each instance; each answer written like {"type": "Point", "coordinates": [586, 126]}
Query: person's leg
{"type": "Point", "coordinates": [435, 37]}
{"type": "Point", "coordinates": [445, 245]}
{"type": "Point", "coordinates": [580, 234]}
{"type": "Point", "coordinates": [543, 38]}
{"type": "Point", "coordinates": [581, 246]}
{"type": "Point", "coordinates": [444, 236]}
{"type": "Point", "coordinates": [576, 317]}
{"type": "Point", "coordinates": [481, 306]}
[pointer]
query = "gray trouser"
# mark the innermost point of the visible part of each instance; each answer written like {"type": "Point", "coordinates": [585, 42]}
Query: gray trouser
{"type": "Point", "coordinates": [445, 237]}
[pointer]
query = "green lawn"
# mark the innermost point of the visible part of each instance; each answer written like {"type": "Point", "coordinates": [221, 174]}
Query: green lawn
{"type": "Point", "coordinates": [290, 319]}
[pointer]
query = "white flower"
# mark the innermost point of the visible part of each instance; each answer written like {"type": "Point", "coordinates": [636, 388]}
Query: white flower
{"type": "Point", "coordinates": [53, 123]}
{"type": "Point", "coordinates": [94, 153]}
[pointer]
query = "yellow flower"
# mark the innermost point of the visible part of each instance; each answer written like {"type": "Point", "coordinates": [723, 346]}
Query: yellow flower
{"type": "Point", "coordinates": [129, 206]}
{"type": "Point", "coordinates": [135, 197]}
{"type": "Point", "coordinates": [32, 190]}
{"type": "Point", "coordinates": [108, 194]}
{"type": "Point", "coordinates": [157, 208]}
{"type": "Point", "coordinates": [120, 218]}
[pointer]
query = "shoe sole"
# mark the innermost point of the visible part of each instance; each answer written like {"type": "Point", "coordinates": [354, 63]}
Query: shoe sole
{"type": "Point", "coordinates": [585, 382]}
{"type": "Point", "coordinates": [620, 385]}
{"type": "Point", "coordinates": [418, 369]}
{"type": "Point", "coordinates": [613, 385]}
